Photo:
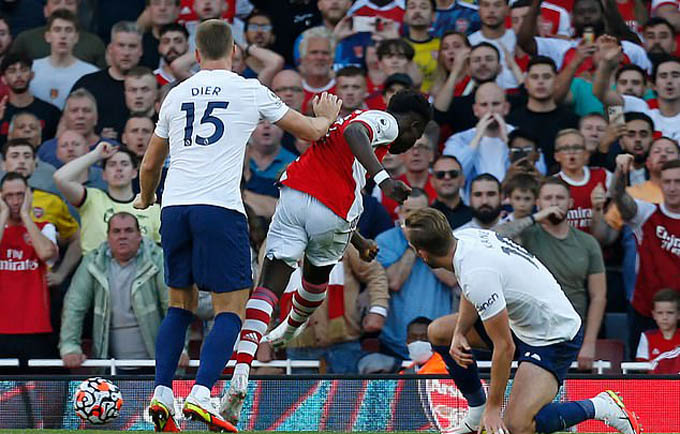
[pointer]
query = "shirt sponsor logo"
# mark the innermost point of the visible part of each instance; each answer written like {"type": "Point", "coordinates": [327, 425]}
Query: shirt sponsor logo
{"type": "Point", "coordinates": [487, 304]}
{"type": "Point", "coordinates": [669, 242]}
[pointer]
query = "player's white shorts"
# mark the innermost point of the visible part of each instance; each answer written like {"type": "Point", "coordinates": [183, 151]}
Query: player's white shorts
{"type": "Point", "coordinates": [303, 226]}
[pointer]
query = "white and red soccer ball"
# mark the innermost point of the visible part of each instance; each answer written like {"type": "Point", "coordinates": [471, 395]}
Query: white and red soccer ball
{"type": "Point", "coordinates": [97, 401]}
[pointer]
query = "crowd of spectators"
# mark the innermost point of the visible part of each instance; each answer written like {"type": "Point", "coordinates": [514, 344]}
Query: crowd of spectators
{"type": "Point", "coordinates": [556, 123]}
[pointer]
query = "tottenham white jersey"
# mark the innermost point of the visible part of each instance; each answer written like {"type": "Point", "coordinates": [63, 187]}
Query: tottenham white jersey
{"type": "Point", "coordinates": [495, 273]}
{"type": "Point", "coordinates": [208, 120]}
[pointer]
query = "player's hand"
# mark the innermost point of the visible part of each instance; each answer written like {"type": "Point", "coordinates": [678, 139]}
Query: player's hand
{"type": "Point", "coordinates": [326, 106]}
{"type": "Point", "coordinates": [624, 162]}
{"type": "Point", "coordinates": [586, 356]}
{"type": "Point", "coordinates": [368, 250]}
{"type": "Point", "coordinates": [26, 205]}
{"type": "Point", "coordinates": [73, 360]}
{"type": "Point", "coordinates": [140, 203]}
{"type": "Point", "coordinates": [265, 352]}
{"type": "Point", "coordinates": [543, 214]}
{"type": "Point", "coordinates": [598, 197]}
{"type": "Point", "coordinates": [492, 421]}
{"type": "Point", "coordinates": [373, 322]}
{"type": "Point", "coordinates": [395, 189]}
{"type": "Point", "coordinates": [460, 350]}
{"type": "Point", "coordinates": [184, 360]}
{"type": "Point", "coordinates": [105, 149]}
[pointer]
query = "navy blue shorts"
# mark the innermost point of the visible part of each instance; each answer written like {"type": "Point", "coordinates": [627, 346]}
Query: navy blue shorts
{"type": "Point", "coordinates": [205, 245]}
{"type": "Point", "coordinates": [555, 358]}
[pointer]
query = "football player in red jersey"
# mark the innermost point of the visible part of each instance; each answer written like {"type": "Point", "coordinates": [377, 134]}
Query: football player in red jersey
{"type": "Point", "coordinates": [315, 218]}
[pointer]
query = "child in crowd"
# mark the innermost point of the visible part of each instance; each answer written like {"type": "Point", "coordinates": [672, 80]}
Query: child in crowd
{"type": "Point", "coordinates": [662, 346]}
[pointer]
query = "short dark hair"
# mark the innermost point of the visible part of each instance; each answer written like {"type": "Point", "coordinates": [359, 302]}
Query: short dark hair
{"type": "Point", "coordinates": [257, 13]}
{"type": "Point", "coordinates": [122, 214]}
{"type": "Point", "coordinates": [13, 143]}
{"type": "Point", "coordinates": [432, 3]}
{"type": "Point", "coordinates": [411, 101]}
{"type": "Point", "coordinates": [133, 158]}
{"type": "Point", "coordinates": [673, 141]}
{"type": "Point", "coordinates": [521, 181]}
{"type": "Point", "coordinates": [555, 180]}
{"type": "Point", "coordinates": [63, 14]}
{"type": "Point", "coordinates": [350, 71]}
{"type": "Point", "coordinates": [173, 27]}
{"type": "Point", "coordinates": [519, 133]}
{"type": "Point", "coordinates": [462, 35]}
{"type": "Point", "coordinates": [214, 39]}
{"type": "Point", "coordinates": [487, 45]}
{"type": "Point", "coordinates": [592, 115]}
{"type": "Point", "coordinates": [658, 21]}
{"type": "Point", "coordinates": [395, 46]}
{"type": "Point", "coordinates": [447, 157]}
{"type": "Point", "coordinates": [139, 71]}
{"type": "Point", "coordinates": [639, 116]}
{"type": "Point", "coordinates": [542, 60]}
{"type": "Point", "coordinates": [520, 4]}
{"type": "Point", "coordinates": [671, 164]}
{"type": "Point", "coordinates": [419, 320]}
{"type": "Point", "coordinates": [12, 58]}
{"type": "Point", "coordinates": [667, 295]}
{"type": "Point", "coordinates": [485, 177]}
{"type": "Point", "coordinates": [663, 60]}
{"type": "Point", "coordinates": [13, 176]}
{"type": "Point", "coordinates": [417, 192]}
{"type": "Point", "coordinates": [631, 67]}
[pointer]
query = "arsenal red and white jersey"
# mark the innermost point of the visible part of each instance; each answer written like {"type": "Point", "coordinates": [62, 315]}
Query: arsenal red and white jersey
{"type": "Point", "coordinates": [657, 232]}
{"type": "Point", "coordinates": [393, 10]}
{"type": "Point", "coordinates": [581, 214]}
{"type": "Point", "coordinates": [665, 353]}
{"type": "Point", "coordinates": [328, 170]}
{"type": "Point", "coordinates": [25, 307]}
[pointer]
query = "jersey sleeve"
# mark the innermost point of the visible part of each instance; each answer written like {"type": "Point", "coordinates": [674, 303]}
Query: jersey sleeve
{"type": "Point", "coordinates": [637, 55]}
{"type": "Point", "coordinates": [163, 124]}
{"type": "Point", "coordinates": [269, 105]}
{"type": "Point", "coordinates": [644, 211]}
{"type": "Point", "coordinates": [564, 28]}
{"type": "Point", "coordinates": [66, 223]}
{"type": "Point", "coordinates": [483, 289]}
{"type": "Point", "coordinates": [382, 126]}
{"type": "Point", "coordinates": [642, 352]}
{"type": "Point", "coordinates": [50, 232]}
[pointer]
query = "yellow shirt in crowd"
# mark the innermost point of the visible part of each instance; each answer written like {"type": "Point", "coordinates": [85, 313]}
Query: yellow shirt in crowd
{"type": "Point", "coordinates": [48, 207]}
{"type": "Point", "coordinates": [97, 209]}
{"type": "Point", "coordinates": [647, 191]}
{"type": "Point", "coordinates": [426, 54]}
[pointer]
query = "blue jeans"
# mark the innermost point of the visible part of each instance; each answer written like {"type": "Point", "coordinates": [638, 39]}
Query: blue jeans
{"type": "Point", "coordinates": [340, 358]}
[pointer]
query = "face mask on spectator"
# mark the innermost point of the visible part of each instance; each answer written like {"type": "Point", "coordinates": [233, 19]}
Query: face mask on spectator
{"type": "Point", "coordinates": [419, 351]}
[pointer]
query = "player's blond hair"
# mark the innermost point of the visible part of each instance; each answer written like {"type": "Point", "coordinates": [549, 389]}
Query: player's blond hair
{"type": "Point", "coordinates": [429, 230]}
{"type": "Point", "coordinates": [214, 39]}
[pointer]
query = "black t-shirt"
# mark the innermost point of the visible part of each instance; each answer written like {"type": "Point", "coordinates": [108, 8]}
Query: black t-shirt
{"type": "Point", "coordinates": [457, 216]}
{"type": "Point", "coordinates": [150, 56]}
{"type": "Point", "coordinates": [47, 113]}
{"type": "Point", "coordinates": [292, 18]}
{"type": "Point", "coordinates": [544, 126]}
{"type": "Point", "coordinates": [110, 96]}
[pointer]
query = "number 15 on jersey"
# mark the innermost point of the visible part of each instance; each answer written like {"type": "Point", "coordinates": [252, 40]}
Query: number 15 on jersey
{"type": "Point", "coordinates": [208, 118]}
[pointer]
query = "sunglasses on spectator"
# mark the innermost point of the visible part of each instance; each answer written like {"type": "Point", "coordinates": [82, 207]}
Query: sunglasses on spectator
{"type": "Point", "coordinates": [441, 174]}
{"type": "Point", "coordinates": [571, 148]}
{"type": "Point", "coordinates": [256, 27]}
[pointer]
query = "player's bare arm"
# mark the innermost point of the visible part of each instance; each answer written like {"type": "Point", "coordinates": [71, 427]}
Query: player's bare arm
{"type": "Point", "coordinates": [597, 293]}
{"type": "Point", "coordinates": [625, 203]}
{"type": "Point", "coordinates": [367, 249]}
{"type": "Point", "coordinates": [326, 108]}
{"type": "Point", "coordinates": [498, 329]}
{"type": "Point", "coordinates": [66, 178]}
{"type": "Point", "coordinates": [460, 348]}
{"type": "Point", "coordinates": [359, 143]}
{"type": "Point", "coordinates": [150, 172]}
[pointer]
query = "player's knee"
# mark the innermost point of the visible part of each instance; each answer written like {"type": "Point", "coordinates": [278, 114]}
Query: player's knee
{"type": "Point", "coordinates": [186, 299]}
{"type": "Point", "coordinates": [439, 333]}
{"type": "Point", "coordinates": [234, 302]}
{"type": "Point", "coordinates": [519, 423]}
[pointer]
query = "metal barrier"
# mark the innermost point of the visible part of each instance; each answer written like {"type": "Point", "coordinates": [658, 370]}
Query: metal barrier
{"type": "Point", "coordinates": [114, 364]}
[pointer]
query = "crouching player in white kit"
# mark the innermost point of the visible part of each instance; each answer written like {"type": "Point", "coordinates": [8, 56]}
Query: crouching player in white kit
{"type": "Point", "coordinates": [315, 217]}
{"type": "Point", "coordinates": [513, 305]}
{"type": "Point", "coordinates": [204, 124]}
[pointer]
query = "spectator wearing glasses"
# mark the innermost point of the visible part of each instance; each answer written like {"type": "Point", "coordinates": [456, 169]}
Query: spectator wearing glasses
{"type": "Point", "coordinates": [259, 60]}
{"type": "Point", "coordinates": [287, 85]}
{"type": "Point", "coordinates": [447, 180]}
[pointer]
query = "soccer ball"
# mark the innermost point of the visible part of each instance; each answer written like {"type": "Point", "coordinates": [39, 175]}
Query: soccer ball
{"type": "Point", "coordinates": [97, 400]}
